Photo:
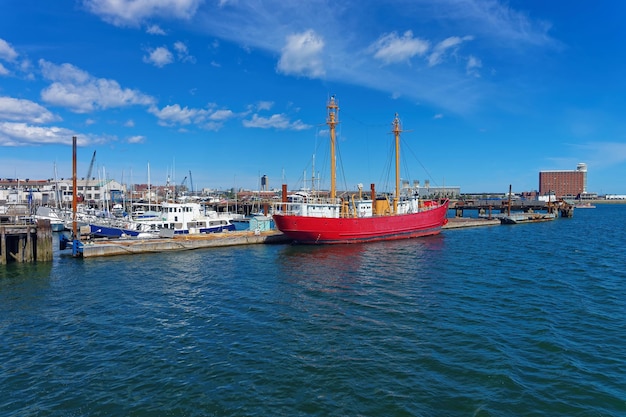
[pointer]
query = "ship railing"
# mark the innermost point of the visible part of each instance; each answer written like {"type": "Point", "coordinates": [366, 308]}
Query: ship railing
{"type": "Point", "coordinates": [305, 208]}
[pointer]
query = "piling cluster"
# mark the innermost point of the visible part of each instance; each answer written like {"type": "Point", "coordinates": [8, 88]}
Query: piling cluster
{"type": "Point", "coordinates": [25, 242]}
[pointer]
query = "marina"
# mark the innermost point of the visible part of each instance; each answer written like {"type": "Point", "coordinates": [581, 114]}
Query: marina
{"type": "Point", "coordinates": [32, 242]}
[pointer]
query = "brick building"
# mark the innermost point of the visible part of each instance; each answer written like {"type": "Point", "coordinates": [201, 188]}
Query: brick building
{"type": "Point", "coordinates": [564, 183]}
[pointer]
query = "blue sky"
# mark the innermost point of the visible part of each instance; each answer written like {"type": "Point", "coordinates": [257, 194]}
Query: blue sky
{"type": "Point", "coordinates": [489, 92]}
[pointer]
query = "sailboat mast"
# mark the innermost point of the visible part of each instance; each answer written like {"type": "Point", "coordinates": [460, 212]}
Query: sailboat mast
{"type": "Point", "coordinates": [332, 120]}
{"type": "Point", "coordinates": [396, 132]}
{"type": "Point", "coordinates": [149, 191]}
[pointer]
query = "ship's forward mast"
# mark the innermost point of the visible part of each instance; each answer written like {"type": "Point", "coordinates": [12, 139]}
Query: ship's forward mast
{"type": "Point", "coordinates": [396, 132]}
{"type": "Point", "coordinates": [331, 121]}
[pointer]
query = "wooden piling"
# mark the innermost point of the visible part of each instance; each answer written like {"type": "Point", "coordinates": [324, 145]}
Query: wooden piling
{"type": "Point", "coordinates": [3, 246]}
{"type": "Point", "coordinates": [26, 242]}
{"type": "Point", "coordinates": [44, 241]}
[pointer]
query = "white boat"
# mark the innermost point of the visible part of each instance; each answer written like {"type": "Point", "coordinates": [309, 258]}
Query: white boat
{"type": "Point", "coordinates": [187, 218]}
{"type": "Point", "coordinates": [56, 217]}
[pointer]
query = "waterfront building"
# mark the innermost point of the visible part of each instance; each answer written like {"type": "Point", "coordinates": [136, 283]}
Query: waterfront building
{"type": "Point", "coordinates": [564, 184]}
{"type": "Point", "coordinates": [92, 191]}
{"type": "Point", "coordinates": [427, 191]}
{"type": "Point", "coordinates": [18, 191]}
{"type": "Point", "coordinates": [50, 192]}
{"type": "Point", "coordinates": [453, 192]}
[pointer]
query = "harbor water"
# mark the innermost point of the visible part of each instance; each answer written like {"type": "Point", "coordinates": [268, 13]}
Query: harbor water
{"type": "Point", "coordinates": [525, 320]}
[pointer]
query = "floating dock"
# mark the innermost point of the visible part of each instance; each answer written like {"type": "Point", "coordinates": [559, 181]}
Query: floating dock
{"type": "Point", "coordinates": [518, 218]}
{"type": "Point", "coordinates": [462, 222]}
{"type": "Point", "coordinates": [98, 248]}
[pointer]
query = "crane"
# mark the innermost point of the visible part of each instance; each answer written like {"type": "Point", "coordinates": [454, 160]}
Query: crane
{"type": "Point", "coordinates": [180, 187]}
{"type": "Point", "coordinates": [93, 159]}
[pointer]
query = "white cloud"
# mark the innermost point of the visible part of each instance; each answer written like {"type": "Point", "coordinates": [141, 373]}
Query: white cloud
{"type": "Point", "coordinates": [183, 53]}
{"type": "Point", "coordinates": [162, 56]}
{"type": "Point", "coordinates": [391, 48]}
{"type": "Point", "coordinates": [134, 12]}
{"type": "Point", "coordinates": [221, 115]}
{"type": "Point", "coordinates": [155, 30]}
{"type": "Point", "coordinates": [276, 121]}
{"type": "Point", "coordinates": [472, 66]}
{"type": "Point", "coordinates": [500, 20]}
{"type": "Point", "coordinates": [443, 47]}
{"type": "Point", "coordinates": [78, 91]}
{"type": "Point", "coordinates": [3, 70]}
{"type": "Point", "coordinates": [181, 48]}
{"type": "Point", "coordinates": [302, 55]}
{"type": "Point", "coordinates": [22, 134]}
{"type": "Point", "coordinates": [174, 114]}
{"type": "Point", "coordinates": [129, 123]}
{"type": "Point", "coordinates": [265, 105]}
{"type": "Point", "coordinates": [209, 119]}
{"type": "Point", "coordinates": [604, 154]}
{"type": "Point", "coordinates": [64, 73]}
{"type": "Point", "coordinates": [348, 41]}
{"type": "Point", "coordinates": [214, 126]}
{"type": "Point", "coordinates": [159, 57]}
{"type": "Point", "coordinates": [136, 139]}
{"type": "Point", "coordinates": [20, 110]}
{"type": "Point", "coordinates": [7, 53]}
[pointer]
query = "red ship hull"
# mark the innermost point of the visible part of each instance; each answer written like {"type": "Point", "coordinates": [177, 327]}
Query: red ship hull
{"type": "Point", "coordinates": [323, 230]}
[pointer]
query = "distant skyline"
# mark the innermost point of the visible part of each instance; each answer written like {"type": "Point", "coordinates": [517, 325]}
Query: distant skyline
{"type": "Point", "coordinates": [489, 92]}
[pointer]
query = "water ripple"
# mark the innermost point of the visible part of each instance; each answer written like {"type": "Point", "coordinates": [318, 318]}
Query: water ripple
{"type": "Point", "coordinates": [497, 321]}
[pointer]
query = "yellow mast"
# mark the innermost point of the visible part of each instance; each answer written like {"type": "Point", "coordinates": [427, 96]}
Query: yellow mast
{"type": "Point", "coordinates": [396, 132]}
{"type": "Point", "coordinates": [331, 121]}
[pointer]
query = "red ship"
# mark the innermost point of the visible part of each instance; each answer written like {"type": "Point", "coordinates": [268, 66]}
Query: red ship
{"type": "Point", "coordinates": [312, 220]}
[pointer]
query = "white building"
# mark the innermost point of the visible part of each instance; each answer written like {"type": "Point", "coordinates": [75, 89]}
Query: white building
{"type": "Point", "coordinates": [99, 193]}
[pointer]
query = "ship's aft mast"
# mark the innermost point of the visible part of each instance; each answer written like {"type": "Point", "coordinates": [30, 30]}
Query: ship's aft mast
{"type": "Point", "coordinates": [331, 121]}
{"type": "Point", "coordinates": [396, 131]}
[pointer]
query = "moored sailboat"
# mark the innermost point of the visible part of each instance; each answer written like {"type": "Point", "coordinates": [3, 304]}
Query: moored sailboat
{"type": "Point", "coordinates": [312, 220]}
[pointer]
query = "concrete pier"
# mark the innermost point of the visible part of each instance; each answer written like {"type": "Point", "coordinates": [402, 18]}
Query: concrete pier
{"type": "Point", "coordinates": [100, 248]}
